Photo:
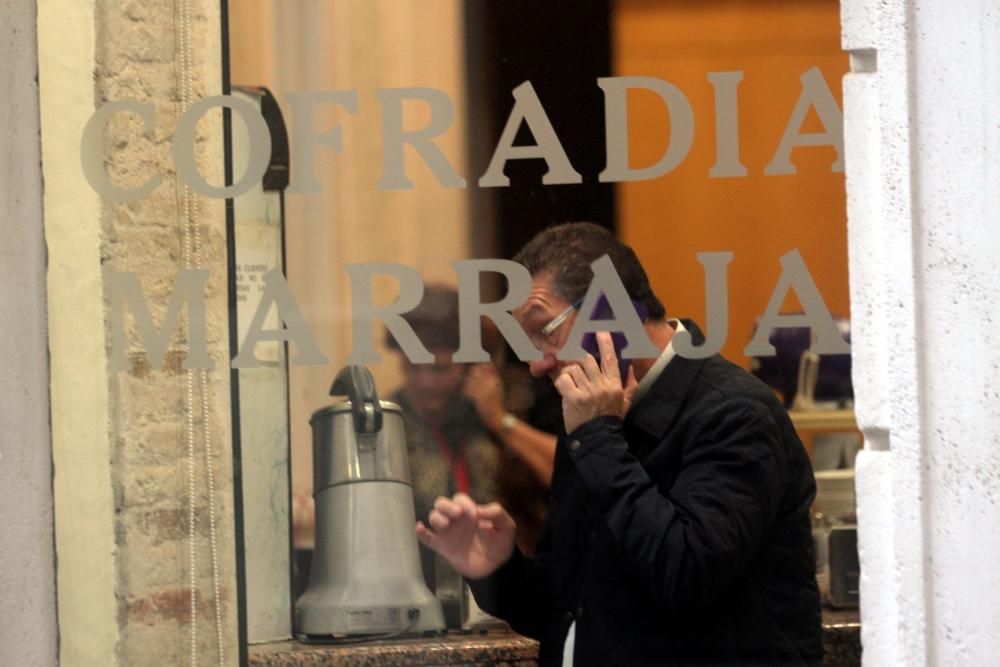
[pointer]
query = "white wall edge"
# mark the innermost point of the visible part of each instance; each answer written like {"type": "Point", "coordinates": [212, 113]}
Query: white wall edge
{"type": "Point", "coordinates": [84, 503]}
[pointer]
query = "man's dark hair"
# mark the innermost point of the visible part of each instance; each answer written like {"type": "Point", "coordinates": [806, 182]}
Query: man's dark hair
{"type": "Point", "coordinates": [566, 251]}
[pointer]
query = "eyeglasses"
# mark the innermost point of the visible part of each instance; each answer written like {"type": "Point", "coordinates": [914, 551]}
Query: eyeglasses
{"type": "Point", "coordinates": [543, 337]}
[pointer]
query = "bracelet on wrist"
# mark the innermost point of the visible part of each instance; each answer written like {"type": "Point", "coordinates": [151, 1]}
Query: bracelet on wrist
{"type": "Point", "coordinates": [507, 422]}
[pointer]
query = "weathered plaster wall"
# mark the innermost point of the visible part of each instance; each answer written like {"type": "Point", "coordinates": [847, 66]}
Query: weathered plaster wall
{"type": "Point", "coordinates": [121, 440]}
{"type": "Point", "coordinates": [27, 574]}
{"type": "Point", "coordinates": [922, 164]}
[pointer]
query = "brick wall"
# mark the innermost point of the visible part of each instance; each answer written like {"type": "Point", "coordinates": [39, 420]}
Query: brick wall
{"type": "Point", "coordinates": [139, 56]}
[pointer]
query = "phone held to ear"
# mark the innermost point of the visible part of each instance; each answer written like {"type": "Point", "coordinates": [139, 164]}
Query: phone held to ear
{"type": "Point", "coordinates": [602, 311]}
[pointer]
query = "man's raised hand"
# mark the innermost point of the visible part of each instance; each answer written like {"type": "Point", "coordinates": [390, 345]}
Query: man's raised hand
{"type": "Point", "coordinates": [473, 539]}
{"type": "Point", "coordinates": [590, 390]}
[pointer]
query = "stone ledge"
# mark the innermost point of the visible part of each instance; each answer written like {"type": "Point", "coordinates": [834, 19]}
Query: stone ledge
{"type": "Point", "coordinates": [841, 637]}
{"type": "Point", "coordinates": [841, 644]}
{"type": "Point", "coordinates": [499, 648]}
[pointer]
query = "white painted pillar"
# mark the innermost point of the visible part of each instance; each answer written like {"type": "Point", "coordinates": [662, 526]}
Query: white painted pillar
{"type": "Point", "coordinates": [922, 140]}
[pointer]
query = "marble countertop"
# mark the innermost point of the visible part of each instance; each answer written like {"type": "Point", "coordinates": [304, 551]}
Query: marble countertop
{"type": "Point", "coordinates": [500, 648]}
{"type": "Point", "coordinates": [841, 636]}
{"type": "Point", "coordinates": [497, 647]}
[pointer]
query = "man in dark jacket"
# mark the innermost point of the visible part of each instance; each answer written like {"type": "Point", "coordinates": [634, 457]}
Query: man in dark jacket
{"type": "Point", "coordinates": [678, 528]}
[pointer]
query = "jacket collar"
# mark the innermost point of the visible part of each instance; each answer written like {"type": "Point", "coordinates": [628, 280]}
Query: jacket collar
{"type": "Point", "coordinates": [658, 409]}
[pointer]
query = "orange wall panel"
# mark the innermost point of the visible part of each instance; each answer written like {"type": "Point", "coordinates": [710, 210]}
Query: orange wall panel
{"type": "Point", "coordinates": [669, 219]}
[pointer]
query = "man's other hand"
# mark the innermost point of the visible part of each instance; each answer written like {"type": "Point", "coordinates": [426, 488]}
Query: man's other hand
{"type": "Point", "coordinates": [473, 539]}
{"type": "Point", "coordinates": [590, 390]}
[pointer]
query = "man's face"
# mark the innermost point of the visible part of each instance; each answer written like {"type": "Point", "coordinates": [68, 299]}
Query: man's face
{"type": "Point", "coordinates": [540, 309]}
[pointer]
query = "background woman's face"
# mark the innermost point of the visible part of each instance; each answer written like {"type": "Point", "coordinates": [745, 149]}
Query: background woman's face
{"type": "Point", "coordinates": [430, 388]}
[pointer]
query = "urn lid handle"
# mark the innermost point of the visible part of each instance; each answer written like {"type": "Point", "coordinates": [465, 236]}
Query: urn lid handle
{"type": "Point", "coordinates": [359, 386]}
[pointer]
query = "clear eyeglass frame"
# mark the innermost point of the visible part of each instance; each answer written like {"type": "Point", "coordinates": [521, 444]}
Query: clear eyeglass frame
{"type": "Point", "coordinates": [543, 337]}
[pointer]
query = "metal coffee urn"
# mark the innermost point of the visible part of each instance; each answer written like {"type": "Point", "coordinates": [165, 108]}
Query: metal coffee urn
{"type": "Point", "coordinates": [365, 579]}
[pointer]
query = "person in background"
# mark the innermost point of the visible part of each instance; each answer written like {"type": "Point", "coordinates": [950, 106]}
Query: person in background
{"type": "Point", "coordinates": [536, 448]}
{"type": "Point", "coordinates": [526, 468]}
{"type": "Point", "coordinates": [449, 449]}
{"type": "Point", "coordinates": [678, 529]}
{"type": "Point", "coordinates": [460, 437]}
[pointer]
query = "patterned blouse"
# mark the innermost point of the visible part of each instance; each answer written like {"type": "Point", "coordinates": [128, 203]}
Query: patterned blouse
{"type": "Point", "coordinates": [436, 451]}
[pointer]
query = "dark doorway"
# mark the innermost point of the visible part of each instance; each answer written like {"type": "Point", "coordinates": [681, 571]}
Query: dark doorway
{"type": "Point", "coordinates": [562, 47]}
